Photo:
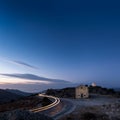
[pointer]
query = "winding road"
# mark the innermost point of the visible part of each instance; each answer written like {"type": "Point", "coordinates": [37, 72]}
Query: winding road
{"type": "Point", "coordinates": [55, 103]}
{"type": "Point", "coordinates": [58, 107]}
{"type": "Point", "coordinates": [69, 107]}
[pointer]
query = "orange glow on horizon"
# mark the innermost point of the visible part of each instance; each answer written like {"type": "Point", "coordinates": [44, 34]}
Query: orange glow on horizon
{"type": "Point", "coordinates": [11, 80]}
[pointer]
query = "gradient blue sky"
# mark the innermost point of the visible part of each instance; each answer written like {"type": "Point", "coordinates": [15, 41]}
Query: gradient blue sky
{"type": "Point", "coordinates": [73, 40]}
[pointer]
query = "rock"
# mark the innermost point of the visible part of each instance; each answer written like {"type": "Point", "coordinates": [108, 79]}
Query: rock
{"type": "Point", "coordinates": [23, 115]}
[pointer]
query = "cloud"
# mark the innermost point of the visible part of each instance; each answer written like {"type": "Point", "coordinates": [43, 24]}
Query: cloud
{"type": "Point", "coordinates": [24, 64]}
{"type": "Point", "coordinates": [34, 77]}
{"type": "Point", "coordinates": [32, 83]}
{"type": "Point", "coordinates": [16, 62]}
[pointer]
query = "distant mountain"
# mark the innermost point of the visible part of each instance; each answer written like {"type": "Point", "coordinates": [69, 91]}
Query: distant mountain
{"type": "Point", "coordinates": [18, 92]}
{"type": "Point", "coordinates": [6, 96]}
{"type": "Point", "coordinates": [35, 83]}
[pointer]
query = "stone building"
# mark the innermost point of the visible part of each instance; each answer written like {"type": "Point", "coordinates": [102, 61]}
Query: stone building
{"type": "Point", "coordinates": [81, 92]}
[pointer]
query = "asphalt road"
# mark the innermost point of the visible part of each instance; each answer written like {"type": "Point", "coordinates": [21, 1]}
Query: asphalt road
{"type": "Point", "coordinates": [68, 107]}
{"type": "Point", "coordinates": [57, 109]}
{"type": "Point", "coordinates": [55, 103]}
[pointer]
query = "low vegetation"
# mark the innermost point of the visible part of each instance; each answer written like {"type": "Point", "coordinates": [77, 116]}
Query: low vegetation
{"type": "Point", "coordinates": [6, 96]}
{"type": "Point", "coordinates": [23, 115]}
{"type": "Point", "coordinates": [105, 112]}
{"type": "Point", "coordinates": [103, 91]}
{"type": "Point", "coordinates": [65, 93]}
{"type": "Point", "coordinates": [24, 103]}
{"type": "Point", "coordinates": [70, 92]}
{"type": "Point", "coordinates": [45, 101]}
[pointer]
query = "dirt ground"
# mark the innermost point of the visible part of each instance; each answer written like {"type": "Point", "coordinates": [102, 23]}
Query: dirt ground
{"type": "Point", "coordinates": [96, 108]}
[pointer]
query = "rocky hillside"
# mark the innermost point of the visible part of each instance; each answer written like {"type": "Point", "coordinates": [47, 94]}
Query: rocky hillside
{"type": "Point", "coordinates": [18, 92]}
{"type": "Point", "coordinates": [23, 103]}
{"type": "Point", "coordinates": [6, 96]}
{"type": "Point", "coordinates": [23, 115]}
{"type": "Point", "coordinates": [103, 91]}
{"type": "Point", "coordinates": [66, 92]}
{"type": "Point", "coordinates": [101, 112]}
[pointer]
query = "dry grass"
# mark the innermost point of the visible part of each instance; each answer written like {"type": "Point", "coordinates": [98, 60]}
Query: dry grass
{"type": "Point", "coordinates": [25, 103]}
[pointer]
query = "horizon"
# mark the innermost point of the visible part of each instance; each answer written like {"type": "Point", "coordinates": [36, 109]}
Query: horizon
{"type": "Point", "coordinates": [50, 44]}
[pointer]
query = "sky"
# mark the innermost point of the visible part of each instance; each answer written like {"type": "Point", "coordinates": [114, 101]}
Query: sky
{"type": "Point", "coordinates": [70, 40]}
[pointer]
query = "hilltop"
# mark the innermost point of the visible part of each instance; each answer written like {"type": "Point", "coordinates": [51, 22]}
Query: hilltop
{"type": "Point", "coordinates": [70, 92]}
{"type": "Point", "coordinates": [18, 92]}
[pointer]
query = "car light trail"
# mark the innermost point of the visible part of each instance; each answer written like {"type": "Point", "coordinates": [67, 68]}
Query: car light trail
{"type": "Point", "coordinates": [56, 102]}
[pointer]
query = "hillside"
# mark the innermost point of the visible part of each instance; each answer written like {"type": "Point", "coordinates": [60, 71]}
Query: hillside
{"type": "Point", "coordinates": [6, 96]}
{"type": "Point", "coordinates": [70, 92]}
{"type": "Point", "coordinates": [103, 91]}
{"type": "Point", "coordinates": [10, 101]}
{"type": "Point", "coordinates": [65, 92]}
{"type": "Point", "coordinates": [23, 115]}
{"type": "Point", "coordinates": [18, 92]}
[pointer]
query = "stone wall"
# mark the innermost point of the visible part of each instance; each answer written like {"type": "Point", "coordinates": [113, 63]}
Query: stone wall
{"type": "Point", "coordinates": [81, 92]}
